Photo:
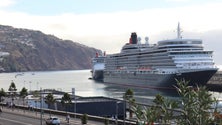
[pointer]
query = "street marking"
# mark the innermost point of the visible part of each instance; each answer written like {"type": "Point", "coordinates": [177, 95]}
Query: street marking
{"type": "Point", "coordinates": [23, 123]}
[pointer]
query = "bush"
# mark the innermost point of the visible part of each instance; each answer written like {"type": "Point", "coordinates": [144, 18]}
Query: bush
{"type": "Point", "coordinates": [106, 121]}
{"type": "Point", "coordinates": [84, 119]}
{"type": "Point", "coordinates": [195, 105]}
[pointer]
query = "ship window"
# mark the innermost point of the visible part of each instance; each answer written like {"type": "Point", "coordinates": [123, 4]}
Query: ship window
{"type": "Point", "coordinates": [180, 42]}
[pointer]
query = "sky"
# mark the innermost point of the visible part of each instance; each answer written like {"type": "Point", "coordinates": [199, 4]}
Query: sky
{"type": "Point", "coordinates": [107, 24]}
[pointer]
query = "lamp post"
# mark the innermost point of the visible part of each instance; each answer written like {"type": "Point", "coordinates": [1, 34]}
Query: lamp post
{"type": "Point", "coordinates": [117, 102]}
{"type": "Point", "coordinates": [24, 83]}
{"type": "Point", "coordinates": [41, 100]}
{"type": "Point", "coordinates": [30, 86]}
{"type": "Point", "coordinates": [37, 86]}
{"type": "Point", "coordinates": [73, 93]}
{"type": "Point", "coordinates": [124, 111]}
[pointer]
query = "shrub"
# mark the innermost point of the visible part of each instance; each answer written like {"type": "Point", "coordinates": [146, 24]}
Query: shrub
{"type": "Point", "coordinates": [84, 119]}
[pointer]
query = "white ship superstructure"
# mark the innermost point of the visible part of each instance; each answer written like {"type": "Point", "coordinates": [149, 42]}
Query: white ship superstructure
{"type": "Point", "coordinates": [98, 66]}
{"type": "Point", "coordinates": [158, 65]}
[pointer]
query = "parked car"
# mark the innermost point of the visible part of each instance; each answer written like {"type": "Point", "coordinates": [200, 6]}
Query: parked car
{"type": "Point", "coordinates": [52, 121]}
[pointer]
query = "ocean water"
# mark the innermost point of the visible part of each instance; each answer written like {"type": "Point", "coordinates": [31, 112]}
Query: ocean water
{"type": "Point", "coordinates": [78, 79]}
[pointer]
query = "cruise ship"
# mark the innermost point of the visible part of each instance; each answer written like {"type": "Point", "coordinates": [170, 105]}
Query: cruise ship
{"type": "Point", "coordinates": [98, 66]}
{"type": "Point", "coordinates": [159, 65]}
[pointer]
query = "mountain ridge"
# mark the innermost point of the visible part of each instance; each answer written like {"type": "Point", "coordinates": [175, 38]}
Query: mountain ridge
{"type": "Point", "coordinates": [32, 50]}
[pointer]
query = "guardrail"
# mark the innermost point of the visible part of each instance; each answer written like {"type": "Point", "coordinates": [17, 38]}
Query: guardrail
{"type": "Point", "coordinates": [74, 115]}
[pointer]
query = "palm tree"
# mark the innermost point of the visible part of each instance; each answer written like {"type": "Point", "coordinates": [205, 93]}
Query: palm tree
{"type": "Point", "coordinates": [66, 99]}
{"type": "Point", "coordinates": [12, 89]}
{"type": "Point", "coordinates": [129, 96]}
{"type": "Point", "coordinates": [2, 94]}
{"type": "Point", "coordinates": [23, 94]}
{"type": "Point", "coordinates": [50, 100]}
{"type": "Point", "coordinates": [36, 95]}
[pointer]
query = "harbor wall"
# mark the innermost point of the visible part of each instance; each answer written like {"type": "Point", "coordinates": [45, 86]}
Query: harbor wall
{"type": "Point", "coordinates": [215, 83]}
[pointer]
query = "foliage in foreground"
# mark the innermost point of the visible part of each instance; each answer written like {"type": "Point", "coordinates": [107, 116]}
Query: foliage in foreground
{"type": "Point", "coordinates": [195, 106]}
{"type": "Point", "coordinates": [84, 119]}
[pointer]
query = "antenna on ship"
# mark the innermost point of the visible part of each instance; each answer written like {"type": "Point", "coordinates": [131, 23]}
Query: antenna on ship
{"type": "Point", "coordinates": [179, 31]}
{"type": "Point", "coordinates": [139, 40]}
{"type": "Point", "coordinates": [147, 40]}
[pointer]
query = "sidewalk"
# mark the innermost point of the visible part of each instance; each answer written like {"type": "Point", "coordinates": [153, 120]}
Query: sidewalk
{"type": "Point", "coordinates": [72, 121]}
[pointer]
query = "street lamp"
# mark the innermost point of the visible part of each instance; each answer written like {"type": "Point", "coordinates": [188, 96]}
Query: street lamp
{"type": "Point", "coordinates": [24, 83]}
{"type": "Point", "coordinates": [41, 100]}
{"type": "Point", "coordinates": [37, 86]}
{"type": "Point", "coordinates": [124, 111]}
{"type": "Point", "coordinates": [30, 87]}
{"type": "Point", "coordinates": [117, 102]}
{"type": "Point", "coordinates": [73, 93]}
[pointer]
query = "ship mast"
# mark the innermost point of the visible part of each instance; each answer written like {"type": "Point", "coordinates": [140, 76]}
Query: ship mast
{"type": "Point", "coordinates": [179, 31]}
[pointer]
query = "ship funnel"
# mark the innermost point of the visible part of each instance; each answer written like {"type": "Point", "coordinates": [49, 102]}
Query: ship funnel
{"type": "Point", "coordinates": [133, 38]}
{"type": "Point", "coordinates": [97, 54]}
{"type": "Point", "coordinates": [104, 53]}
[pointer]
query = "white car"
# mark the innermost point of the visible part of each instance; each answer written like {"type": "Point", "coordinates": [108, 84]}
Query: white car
{"type": "Point", "coordinates": [52, 121]}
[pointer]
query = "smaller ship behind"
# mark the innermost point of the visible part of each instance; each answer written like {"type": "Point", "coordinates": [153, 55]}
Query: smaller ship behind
{"type": "Point", "coordinates": [98, 66]}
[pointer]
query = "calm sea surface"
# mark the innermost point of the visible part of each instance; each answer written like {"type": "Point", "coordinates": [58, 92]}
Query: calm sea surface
{"type": "Point", "coordinates": [78, 79]}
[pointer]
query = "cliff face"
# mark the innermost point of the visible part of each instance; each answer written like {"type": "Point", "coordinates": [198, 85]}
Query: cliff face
{"type": "Point", "coordinates": [34, 51]}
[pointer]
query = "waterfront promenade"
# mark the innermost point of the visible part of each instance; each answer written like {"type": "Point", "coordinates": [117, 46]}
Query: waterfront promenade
{"type": "Point", "coordinates": [37, 115]}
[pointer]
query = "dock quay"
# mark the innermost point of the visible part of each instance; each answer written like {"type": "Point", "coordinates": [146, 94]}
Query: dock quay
{"type": "Point", "coordinates": [215, 83]}
{"type": "Point", "coordinates": [97, 108]}
{"type": "Point", "coordinates": [75, 118]}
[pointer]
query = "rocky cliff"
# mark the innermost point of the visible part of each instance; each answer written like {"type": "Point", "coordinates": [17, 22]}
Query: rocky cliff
{"type": "Point", "coordinates": [35, 51]}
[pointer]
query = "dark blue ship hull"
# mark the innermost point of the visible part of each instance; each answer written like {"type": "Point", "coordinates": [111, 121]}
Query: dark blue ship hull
{"type": "Point", "coordinates": [98, 75]}
{"type": "Point", "coordinates": [159, 81]}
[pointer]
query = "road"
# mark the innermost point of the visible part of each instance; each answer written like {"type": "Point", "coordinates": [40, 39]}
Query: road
{"type": "Point", "coordinates": [19, 117]}
{"type": "Point", "coordinates": [14, 119]}
{"type": "Point", "coordinates": [9, 118]}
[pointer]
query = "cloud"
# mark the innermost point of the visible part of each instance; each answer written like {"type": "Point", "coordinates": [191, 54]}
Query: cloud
{"type": "Point", "coordinates": [198, 18]}
{"type": "Point", "coordinates": [6, 3]}
{"type": "Point", "coordinates": [109, 31]}
{"type": "Point", "coordinates": [178, 0]}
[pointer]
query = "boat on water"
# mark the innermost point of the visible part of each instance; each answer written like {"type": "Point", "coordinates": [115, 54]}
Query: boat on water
{"type": "Point", "coordinates": [98, 66]}
{"type": "Point", "coordinates": [159, 65]}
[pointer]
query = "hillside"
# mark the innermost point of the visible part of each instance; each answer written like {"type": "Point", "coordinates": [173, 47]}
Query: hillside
{"type": "Point", "coordinates": [34, 51]}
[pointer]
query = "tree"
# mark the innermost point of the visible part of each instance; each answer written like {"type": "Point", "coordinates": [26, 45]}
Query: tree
{"type": "Point", "coordinates": [2, 94]}
{"type": "Point", "coordinates": [138, 110]}
{"type": "Point", "coordinates": [129, 96]}
{"type": "Point", "coordinates": [106, 121]}
{"type": "Point", "coordinates": [36, 94]}
{"type": "Point", "coordinates": [66, 99]}
{"type": "Point", "coordinates": [12, 89]}
{"type": "Point", "coordinates": [23, 93]}
{"type": "Point", "coordinates": [195, 107]}
{"type": "Point", "coordinates": [201, 102]}
{"type": "Point", "coordinates": [50, 100]}
{"type": "Point", "coordinates": [162, 109]}
{"type": "Point", "coordinates": [84, 119]}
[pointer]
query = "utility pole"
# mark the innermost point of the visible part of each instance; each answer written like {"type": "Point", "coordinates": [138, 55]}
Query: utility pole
{"type": "Point", "coordinates": [41, 100]}
{"type": "Point", "coordinates": [124, 111]}
{"type": "Point", "coordinates": [74, 95]}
